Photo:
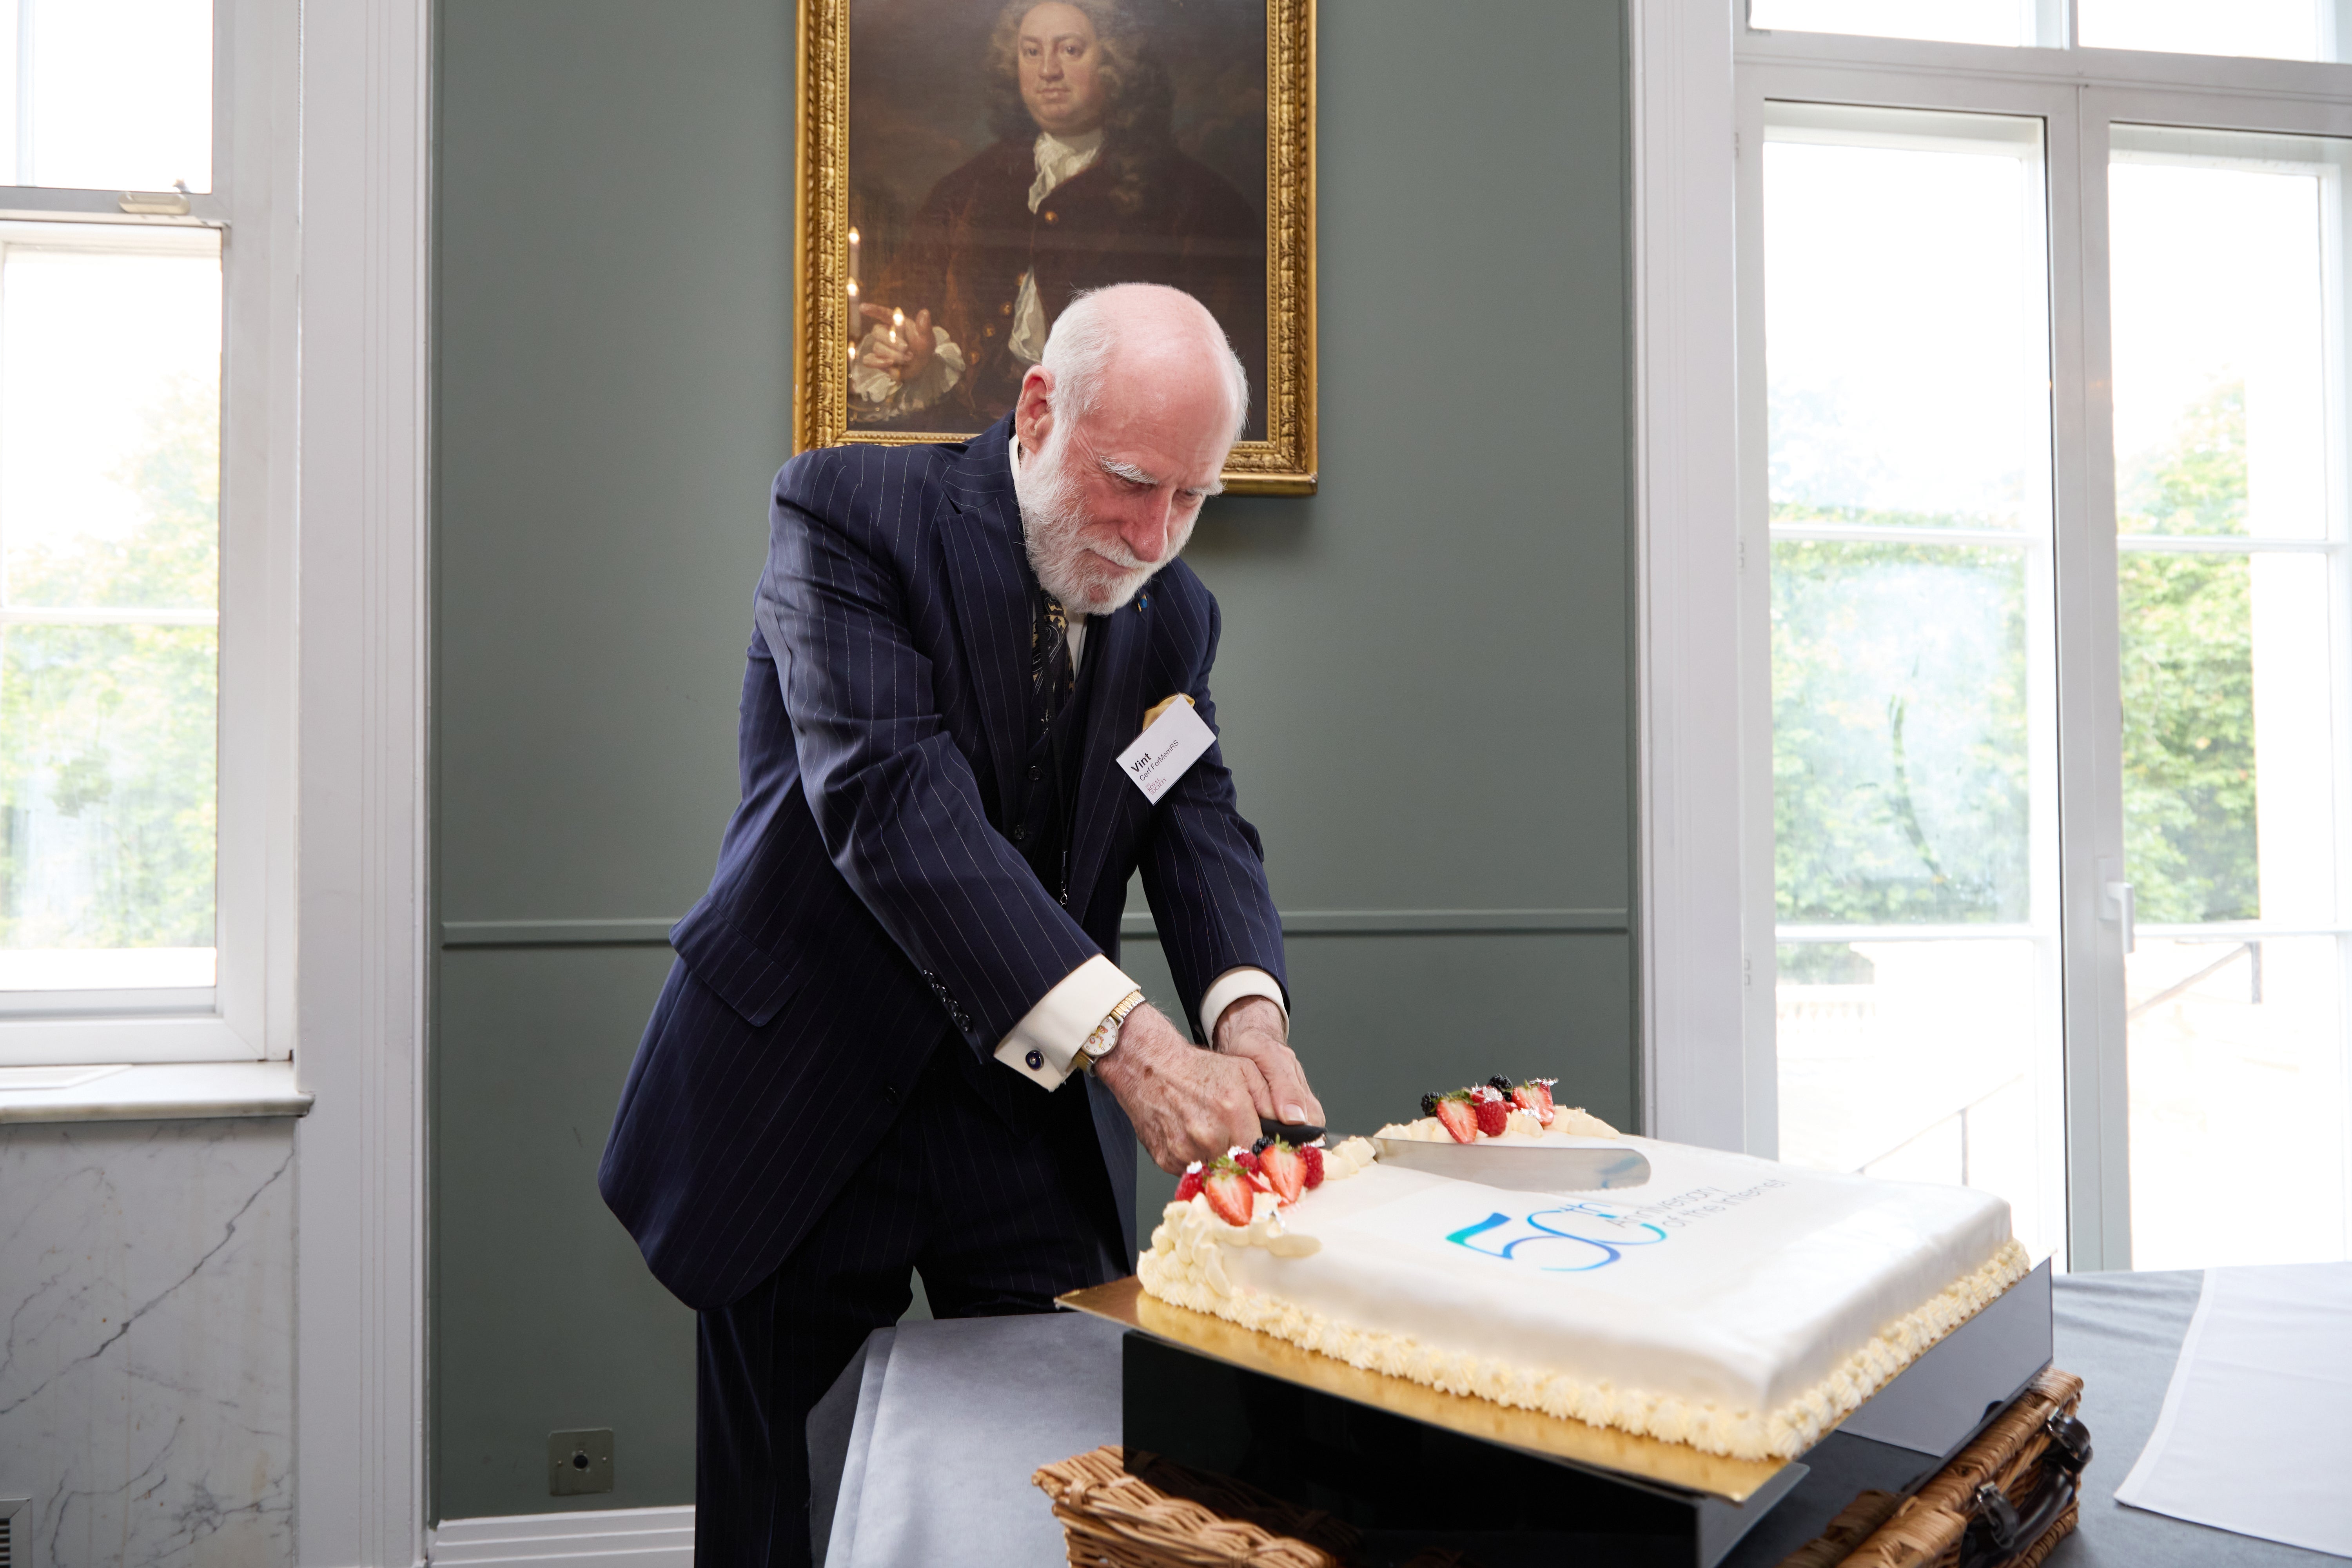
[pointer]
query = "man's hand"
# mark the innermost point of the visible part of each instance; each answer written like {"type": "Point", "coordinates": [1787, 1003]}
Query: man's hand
{"type": "Point", "coordinates": [1186, 1103]}
{"type": "Point", "coordinates": [1254, 1030]}
{"type": "Point", "coordinates": [907, 348]}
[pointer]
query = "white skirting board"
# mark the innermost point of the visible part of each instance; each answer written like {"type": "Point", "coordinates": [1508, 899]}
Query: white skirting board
{"type": "Point", "coordinates": [608, 1538]}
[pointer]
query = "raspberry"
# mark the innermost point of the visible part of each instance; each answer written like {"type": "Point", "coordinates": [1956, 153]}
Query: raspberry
{"type": "Point", "coordinates": [1190, 1186]}
{"type": "Point", "coordinates": [1494, 1115]}
{"type": "Point", "coordinates": [1314, 1157]}
{"type": "Point", "coordinates": [1247, 1162]}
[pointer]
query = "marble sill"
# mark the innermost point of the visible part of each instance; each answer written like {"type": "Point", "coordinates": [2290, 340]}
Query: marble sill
{"type": "Point", "coordinates": [165, 1091]}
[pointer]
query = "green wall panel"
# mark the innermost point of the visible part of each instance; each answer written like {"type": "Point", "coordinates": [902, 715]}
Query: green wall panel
{"type": "Point", "coordinates": [547, 1318]}
{"type": "Point", "coordinates": [1425, 675]}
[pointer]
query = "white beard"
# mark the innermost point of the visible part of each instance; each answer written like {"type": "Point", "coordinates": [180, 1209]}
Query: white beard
{"type": "Point", "coordinates": [1088, 580]}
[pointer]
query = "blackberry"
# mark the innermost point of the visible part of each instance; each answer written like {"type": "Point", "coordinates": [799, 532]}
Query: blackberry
{"type": "Point", "coordinates": [1429, 1105]}
{"type": "Point", "coordinates": [1500, 1085]}
{"type": "Point", "coordinates": [1263, 1144]}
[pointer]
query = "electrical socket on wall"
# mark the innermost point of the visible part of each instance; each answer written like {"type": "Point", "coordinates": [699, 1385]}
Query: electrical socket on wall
{"type": "Point", "coordinates": [580, 1462]}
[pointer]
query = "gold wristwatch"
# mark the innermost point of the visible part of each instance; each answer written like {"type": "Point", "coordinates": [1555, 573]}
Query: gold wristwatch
{"type": "Point", "coordinates": [1098, 1044]}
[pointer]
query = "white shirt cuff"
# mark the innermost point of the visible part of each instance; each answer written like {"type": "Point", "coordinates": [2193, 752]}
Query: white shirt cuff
{"type": "Point", "coordinates": [1231, 987]}
{"type": "Point", "coordinates": [1046, 1041]}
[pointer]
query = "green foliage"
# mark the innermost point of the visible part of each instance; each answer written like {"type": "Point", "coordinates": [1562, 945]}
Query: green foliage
{"type": "Point", "coordinates": [2196, 483]}
{"type": "Point", "coordinates": [1898, 732]}
{"type": "Point", "coordinates": [2189, 675]}
{"type": "Point", "coordinates": [1900, 788]}
{"type": "Point", "coordinates": [108, 733]}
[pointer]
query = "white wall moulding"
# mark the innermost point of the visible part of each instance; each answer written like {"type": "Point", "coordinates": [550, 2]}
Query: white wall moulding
{"type": "Point", "coordinates": [1698, 1055]}
{"type": "Point", "coordinates": [612, 1538]}
{"type": "Point", "coordinates": [365, 193]}
{"type": "Point", "coordinates": [649, 932]}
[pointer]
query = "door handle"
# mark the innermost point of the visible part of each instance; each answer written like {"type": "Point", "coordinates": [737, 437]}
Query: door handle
{"type": "Point", "coordinates": [2122, 909]}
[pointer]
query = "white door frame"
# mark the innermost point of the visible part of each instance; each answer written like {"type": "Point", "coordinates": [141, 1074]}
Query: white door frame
{"type": "Point", "coordinates": [360, 912]}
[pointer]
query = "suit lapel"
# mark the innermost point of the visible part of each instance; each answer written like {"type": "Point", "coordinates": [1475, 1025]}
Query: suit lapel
{"type": "Point", "coordinates": [1114, 711]}
{"type": "Point", "coordinates": [987, 576]}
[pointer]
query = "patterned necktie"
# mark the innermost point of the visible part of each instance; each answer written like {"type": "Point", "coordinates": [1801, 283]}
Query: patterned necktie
{"type": "Point", "coordinates": [1049, 657]}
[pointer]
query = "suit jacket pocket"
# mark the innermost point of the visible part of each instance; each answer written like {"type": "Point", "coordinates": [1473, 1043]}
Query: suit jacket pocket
{"type": "Point", "coordinates": [745, 975]}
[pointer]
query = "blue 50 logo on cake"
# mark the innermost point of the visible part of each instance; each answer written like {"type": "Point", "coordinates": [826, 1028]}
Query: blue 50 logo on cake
{"type": "Point", "coordinates": [1577, 1237]}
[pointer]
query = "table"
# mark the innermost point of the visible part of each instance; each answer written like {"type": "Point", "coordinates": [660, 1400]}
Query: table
{"type": "Point", "coordinates": [922, 1451]}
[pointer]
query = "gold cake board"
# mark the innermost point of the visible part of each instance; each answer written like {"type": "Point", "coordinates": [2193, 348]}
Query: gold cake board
{"type": "Point", "coordinates": [1652, 1459]}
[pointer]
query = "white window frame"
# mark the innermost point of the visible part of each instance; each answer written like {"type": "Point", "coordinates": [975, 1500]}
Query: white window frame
{"type": "Point", "coordinates": [1700, 80]}
{"type": "Point", "coordinates": [247, 1014]}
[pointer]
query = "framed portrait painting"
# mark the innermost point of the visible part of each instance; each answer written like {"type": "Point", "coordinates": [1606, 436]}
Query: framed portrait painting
{"type": "Point", "coordinates": [967, 167]}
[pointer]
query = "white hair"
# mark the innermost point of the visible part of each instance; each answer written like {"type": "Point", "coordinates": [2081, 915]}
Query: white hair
{"type": "Point", "coordinates": [1087, 334]}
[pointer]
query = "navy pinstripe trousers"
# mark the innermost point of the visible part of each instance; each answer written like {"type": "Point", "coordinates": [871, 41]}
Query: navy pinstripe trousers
{"type": "Point", "coordinates": [998, 1221]}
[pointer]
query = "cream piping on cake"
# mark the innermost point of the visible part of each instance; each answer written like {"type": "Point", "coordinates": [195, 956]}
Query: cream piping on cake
{"type": "Point", "coordinates": [1183, 1266]}
{"type": "Point", "coordinates": [1572, 1120]}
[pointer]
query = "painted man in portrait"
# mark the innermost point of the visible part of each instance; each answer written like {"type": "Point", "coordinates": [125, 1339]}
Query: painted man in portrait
{"type": "Point", "coordinates": [1084, 188]}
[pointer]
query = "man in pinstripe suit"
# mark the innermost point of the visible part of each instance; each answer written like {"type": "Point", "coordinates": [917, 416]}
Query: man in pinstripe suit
{"type": "Point", "coordinates": [896, 1036]}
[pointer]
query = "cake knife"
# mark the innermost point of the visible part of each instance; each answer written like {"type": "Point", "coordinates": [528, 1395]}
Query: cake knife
{"type": "Point", "coordinates": [1521, 1168]}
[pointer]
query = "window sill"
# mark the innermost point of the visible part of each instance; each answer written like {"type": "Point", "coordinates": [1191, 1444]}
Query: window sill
{"type": "Point", "coordinates": [165, 1091]}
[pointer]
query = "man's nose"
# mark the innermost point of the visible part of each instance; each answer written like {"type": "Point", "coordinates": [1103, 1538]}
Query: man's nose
{"type": "Point", "coordinates": [1148, 533]}
{"type": "Point", "coordinates": [1050, 68]}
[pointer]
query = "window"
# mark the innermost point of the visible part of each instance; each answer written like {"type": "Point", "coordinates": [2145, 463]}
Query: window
{"type": "Point", "coordinates": [2047, 457]}
{"type": "Point", "coordinates": [126, 932]}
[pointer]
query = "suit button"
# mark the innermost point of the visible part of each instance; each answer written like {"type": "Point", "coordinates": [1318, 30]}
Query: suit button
{"type": "Point", "coordinates": [1053, 216]}
{"type": "Point", "coordinates": [963, 1021]}
{"type": "Point", "coordinates": [988, 331]}
{"type": "Point", "coordinates": [1019, 832]}
{"type": "Point", "coordinates": [891, 1092]}
{"type": "Point", "coordinates": [1036, 772]}
{"type": "Point", "coordinates": [1035, 1061]}
{"type": "Point", "coordinates": [1006, 308]}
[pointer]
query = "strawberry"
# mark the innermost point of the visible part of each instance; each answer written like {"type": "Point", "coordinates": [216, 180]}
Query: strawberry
{"type": "Point", "coordinates": [1284, 1171]}
{"type": "Point", "coordinates": [1461, 1120]}
{"type": "Point", "coordinates": [1190, 1185]}
{"type": "Point", "coordinates": [1312, 1158]}
{"type": "Point", "coordinates": [1534, 1096]}
{"type": "Point", "coordinates": [1494, 1115]}
{"type": "Point", "coordinates": [1229, 1191]}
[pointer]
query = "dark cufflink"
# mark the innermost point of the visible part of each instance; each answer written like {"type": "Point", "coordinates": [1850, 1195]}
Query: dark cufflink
{"type": "Point", "coordinates": [1035, 1059]}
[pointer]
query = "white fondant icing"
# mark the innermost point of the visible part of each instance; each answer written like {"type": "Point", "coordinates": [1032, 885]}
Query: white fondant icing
{"type": "Point", "coordinates": [1733, 1304]}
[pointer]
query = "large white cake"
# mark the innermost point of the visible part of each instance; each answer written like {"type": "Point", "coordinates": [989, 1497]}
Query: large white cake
{"type": "Point", "coordinates": [1733, 1304]}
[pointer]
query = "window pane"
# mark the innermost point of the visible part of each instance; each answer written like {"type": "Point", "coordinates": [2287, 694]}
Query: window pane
{"type": "Point", "coordinates": [1918, 1061]}
{"type": "Point", "coordinates": [110, 524]}
{"type": "Point", "coordinates": [1949, 21]}
{"type": "Point", "coordinates": [1895, 242]}
{"type": "Point", "coordinates": [2236, 1043]}
{"type": "Point", "coordinates": [1913, 672]}
{"type": "Point", "coordinates": [1900, 759]}
{"type": "Point", "coordinates": [107, 94]}
{"type": "Point", "coordinates": [109, 424]}
{"type": "Point", "coordinates": [2219, 395]}
{"type": "Point", "coordinates": [2278, 29]}
{"type": "Point", "coordinates": [107, 756]}
{"type": "Point", "coordinates": [2227, 333]}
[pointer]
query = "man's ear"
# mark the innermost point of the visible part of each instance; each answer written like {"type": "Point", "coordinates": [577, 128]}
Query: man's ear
{"type": "Point", "coordinates": [1033, 411]}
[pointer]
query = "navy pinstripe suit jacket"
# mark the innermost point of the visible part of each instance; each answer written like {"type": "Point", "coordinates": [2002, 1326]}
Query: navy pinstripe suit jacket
{"type": "Point", "coordinates": [869, 907]}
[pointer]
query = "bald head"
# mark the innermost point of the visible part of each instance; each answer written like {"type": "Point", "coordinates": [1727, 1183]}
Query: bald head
{"type": "Point", "coordinates": [1124, 427]}
{"type": "Point", "coordinates": [1142, 344]}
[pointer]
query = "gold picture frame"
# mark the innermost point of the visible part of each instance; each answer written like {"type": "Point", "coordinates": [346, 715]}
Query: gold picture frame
{"type": "Point", "coordinates": [1281, 459]}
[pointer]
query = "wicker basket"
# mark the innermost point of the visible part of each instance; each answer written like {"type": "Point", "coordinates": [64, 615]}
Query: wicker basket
{"type": "Point", "coordinates": [2004, 1501]}
{"type": "Point", "coordinates": [1115, 1519]}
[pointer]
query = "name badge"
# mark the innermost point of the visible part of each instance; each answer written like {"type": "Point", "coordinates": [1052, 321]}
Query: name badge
{"type": "Point", "coordinates": [1171, 742]}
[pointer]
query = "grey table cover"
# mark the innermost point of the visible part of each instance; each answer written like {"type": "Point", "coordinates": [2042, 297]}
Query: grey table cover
{"type": "Point", "coordinates": [921, 1453]}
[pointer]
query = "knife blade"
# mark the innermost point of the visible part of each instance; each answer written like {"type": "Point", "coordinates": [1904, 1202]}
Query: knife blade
{"type": "Point", "coordinates": [1523, 1168]}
